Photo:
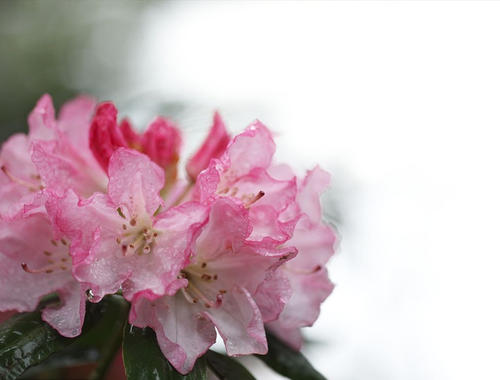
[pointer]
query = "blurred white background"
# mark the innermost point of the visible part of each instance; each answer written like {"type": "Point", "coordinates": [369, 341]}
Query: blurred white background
{"type": "Point", "coordinates": [400, 101]}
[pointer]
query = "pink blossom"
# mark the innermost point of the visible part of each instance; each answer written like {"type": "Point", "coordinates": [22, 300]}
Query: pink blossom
{"type": "Point", "coordinates": [213, 146]}
{"type": "Point", "coordinates": [218, 287]}
{"type": "Point", "coordinates": [53, 155]}
{"type": "Point", "coordinates": [34, 263]}
{"type": "Point", "coordinates": [306, 273]}
{"type": "Point", "coordinates": [161, 141]}
{"type": "Point", "coordinates": [242, 173]}
{"type": "Point", "coordinates": [120, 239]}
{"type": "Point", "coordinates": [19, 179]}
{"type": "Point", "coordinates": [87, 203]}
{"type": "Point", "coordinates": [105, 137]}
{"type": "Point", "coordinates": [280, 215]}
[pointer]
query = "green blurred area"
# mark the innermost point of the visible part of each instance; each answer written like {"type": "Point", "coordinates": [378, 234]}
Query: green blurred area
{"type": "Point", "coordinates": [63, 48]}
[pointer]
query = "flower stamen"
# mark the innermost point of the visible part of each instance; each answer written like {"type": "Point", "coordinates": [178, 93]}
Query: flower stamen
{"type": "Point", "coordinates": [56, 260]}
{"type": "Point", "coordinates": [33, 187]}
{"type": "Point", "coordinates": [193, 293]}
{"type": "Point", "coordinates": [135, 239]}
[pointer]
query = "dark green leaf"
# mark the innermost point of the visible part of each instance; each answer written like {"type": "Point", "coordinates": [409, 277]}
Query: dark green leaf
{"type": "Point", "coordinates": [102, 319]}
{"type": "Point", "coordinates": [226, 368]}
{"type": "Point", "coordinates": [288, 362]}
{"type": "Point", "coordinates": [114, 318]}
{"type": "Point", "coordinates": [144, 360]}
{"type": "Point", "coordinates": [49, 350]}
{"type": "Point", "coordinates": [25, 340]}
{"type": "Point", "coordinates": [71, 356]}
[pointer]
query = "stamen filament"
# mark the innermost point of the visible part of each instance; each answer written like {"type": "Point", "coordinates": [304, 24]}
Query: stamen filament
{"type": "Point", "coordinates": [31, 186]}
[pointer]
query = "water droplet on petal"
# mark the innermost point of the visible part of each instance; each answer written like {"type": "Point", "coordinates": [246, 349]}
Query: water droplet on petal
{"type": "Point", "coordinates": [90, 294]}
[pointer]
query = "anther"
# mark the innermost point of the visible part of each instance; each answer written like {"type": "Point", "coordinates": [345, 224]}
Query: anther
{"type": "Point", "coordinates": [120, 212]}
{"type": "Point", "coordinates": [259, 195]}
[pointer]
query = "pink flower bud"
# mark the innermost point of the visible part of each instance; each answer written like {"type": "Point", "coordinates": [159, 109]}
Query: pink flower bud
{"type": "Point", "coordinates": [132, 137]}
{"type": "Point", "coordinates": [213, 146]}
{"type": "Point", "coordinates": [161, 142]}
{"type": "Point", "coordinates": [105, 137]}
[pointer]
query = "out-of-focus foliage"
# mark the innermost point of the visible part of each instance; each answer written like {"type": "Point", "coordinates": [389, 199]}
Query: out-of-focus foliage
{"type": "Point", "coordinates": [62, 48]}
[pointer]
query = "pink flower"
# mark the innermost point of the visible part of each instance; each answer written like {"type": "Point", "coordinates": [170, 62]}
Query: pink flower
{"type": "Point", "coordinates": [306, 273]}
{"type": "Point", "coordinates": [242, 173]}
{"type": "Point", "coordinates": [280, 216]}
{"type": "Point", "coordinates": [239, 245]}
{"type": "Point", "coordinates": [161, 141]}
{"type": "Point", "coordinates": [217, 288]}
{"type": "Point", "coordinates": [120, 239]}
{"type": "Point", "coordinates": [19, 179]}
{"type": "Point", "coordinates": [54, 155]}
{"type": "Point", "coordinates": [213, 146]}
{"type": "Point", "coordinates": [34, 264]}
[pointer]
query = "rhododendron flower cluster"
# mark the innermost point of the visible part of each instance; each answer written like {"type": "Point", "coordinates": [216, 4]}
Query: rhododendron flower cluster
{"type": "Point", "coordinates": [89, 207]}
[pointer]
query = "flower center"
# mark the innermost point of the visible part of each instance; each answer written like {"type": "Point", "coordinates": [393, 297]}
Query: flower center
{"type": "Point", "coordinates": [201, 286]}
{"type": "Point", "coordinates": [136, 238]}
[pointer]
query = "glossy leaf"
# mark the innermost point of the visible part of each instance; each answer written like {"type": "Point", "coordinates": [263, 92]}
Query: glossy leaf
{"type": "Point", "coordinates": [107, 335]}
{"type": "Point", "coordinates": [288, 362]}
{"type": "Point", "coordinates": [227, 368]}
{"type": "Point", "coordinates": [25, 340]}
{"type": "Point", "coordinates": [49, 350]}
{"type": "Point", "coordinates": [144, 360]}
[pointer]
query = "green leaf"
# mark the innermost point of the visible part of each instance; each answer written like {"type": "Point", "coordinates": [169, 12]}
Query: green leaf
{"type": "Point", "coordinates": [48, 350]}
{"type": "Point", "coordinates": [144, 360]}
{"type": "Point", "coordinates": [227, 368]}
{"type": "Point", "coordinates": [110, 327]}
{"type": "Point", "coordinates": [25, 340]}
{"type": "Point", "coordinates": [288, 362]}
